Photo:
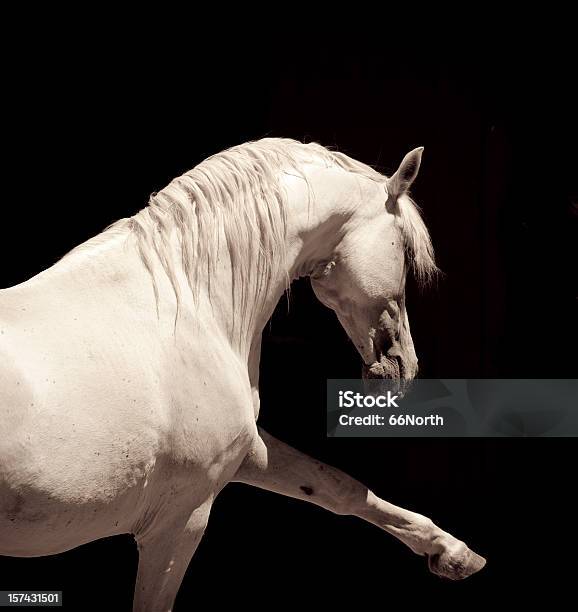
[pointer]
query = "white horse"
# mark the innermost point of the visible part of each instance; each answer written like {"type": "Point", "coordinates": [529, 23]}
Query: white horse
{"type": "Point", "coordinates": [129, 370]}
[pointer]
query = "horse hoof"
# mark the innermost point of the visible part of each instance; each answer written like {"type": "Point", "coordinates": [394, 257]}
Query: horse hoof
{"type": "Point", "coordinates": [456, 562]}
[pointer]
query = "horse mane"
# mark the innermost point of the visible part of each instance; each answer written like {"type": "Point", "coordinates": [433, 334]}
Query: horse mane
{"type": "Point", "coordinates": [238, 193]}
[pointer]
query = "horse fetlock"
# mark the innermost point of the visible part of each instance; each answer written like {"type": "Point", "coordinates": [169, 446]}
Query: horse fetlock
{"type": "Point", "coordinates": [419, 534]}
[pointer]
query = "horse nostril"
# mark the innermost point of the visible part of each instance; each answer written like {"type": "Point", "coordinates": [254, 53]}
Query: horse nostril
{"type": "Point", "coordinates": [393, 356]}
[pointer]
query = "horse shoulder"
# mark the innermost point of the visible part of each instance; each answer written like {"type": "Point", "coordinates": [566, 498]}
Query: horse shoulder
{"type": "Point", "coordinates": [211, 404]}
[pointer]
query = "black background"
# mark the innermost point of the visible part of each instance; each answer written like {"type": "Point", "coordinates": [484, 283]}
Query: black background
{"type": "Point", "coordinates": [96, 121]}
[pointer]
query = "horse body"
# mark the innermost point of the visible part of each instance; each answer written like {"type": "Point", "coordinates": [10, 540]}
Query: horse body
{"type": "Point", "coordinates": [100, 428]}
{"type": "Point", "coordinates": [129, 375]}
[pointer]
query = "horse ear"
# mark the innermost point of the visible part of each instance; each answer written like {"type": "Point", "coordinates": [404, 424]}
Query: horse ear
{"type": "Point", "coordinates": [401, 181]}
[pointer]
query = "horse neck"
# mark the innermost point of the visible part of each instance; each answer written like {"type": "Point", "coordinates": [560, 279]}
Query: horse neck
{"type": "Point", "coordinates": [317, 210]}
{"type": "Point", "coordinates": [319, 205]}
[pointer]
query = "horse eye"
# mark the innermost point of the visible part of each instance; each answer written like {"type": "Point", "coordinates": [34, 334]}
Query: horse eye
{"type": "Point", "coordinates": [323, 270]}
{"type": "Point", "coordinates": [328, 268]}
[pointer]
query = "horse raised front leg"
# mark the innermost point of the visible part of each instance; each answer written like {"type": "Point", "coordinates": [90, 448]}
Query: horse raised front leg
{"type": "Point", "coordinates": [275, 466]}
{"type": "Point", "coordinates": [164, 555]}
